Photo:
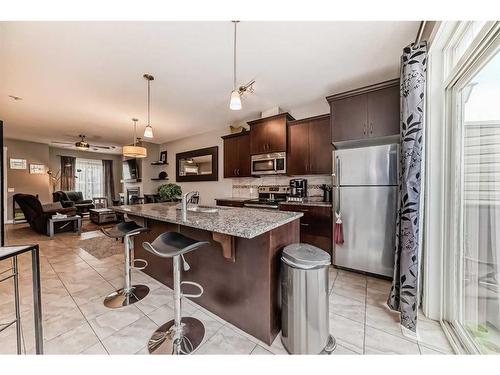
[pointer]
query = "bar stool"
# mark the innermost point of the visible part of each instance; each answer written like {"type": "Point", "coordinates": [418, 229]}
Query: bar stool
{"type": "Point", "coordinates": [129, 294]}
{"type": "Point", "coordinates": [181, 335]}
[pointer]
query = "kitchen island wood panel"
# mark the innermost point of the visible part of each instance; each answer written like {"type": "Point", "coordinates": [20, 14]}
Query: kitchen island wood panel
{"type": "Point", "coordinates": [243, 292]}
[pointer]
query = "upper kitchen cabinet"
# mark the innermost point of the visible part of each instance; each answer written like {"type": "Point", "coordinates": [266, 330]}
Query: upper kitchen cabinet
{"type": "Point", "coordinates": [269, 134]}
{"type": "Point", "coordinates": [368, 112]}
{"type": "Point", "coordinates": [309, 146]}
{"type": "Point", "coordinates": [237, 155]}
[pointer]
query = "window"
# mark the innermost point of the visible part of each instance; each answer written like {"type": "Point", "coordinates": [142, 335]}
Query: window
{"type": "Point", "coordinates": [480, 206]}
{"type": "Point", "coordinates": [469, 32]}
{"type": "Point", "coordinates": [89, 178]}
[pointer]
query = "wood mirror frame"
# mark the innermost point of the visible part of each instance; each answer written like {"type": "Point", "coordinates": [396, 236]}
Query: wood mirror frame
{"type": "Point", "coordinates": [214, 176]}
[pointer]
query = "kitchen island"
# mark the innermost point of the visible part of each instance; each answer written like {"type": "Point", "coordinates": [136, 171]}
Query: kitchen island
{"type": "Point", "coordinates": [239, 269]}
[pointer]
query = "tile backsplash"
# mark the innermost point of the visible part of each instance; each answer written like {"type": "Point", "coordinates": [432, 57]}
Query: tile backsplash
{"type": "Point", "coordinates": [247, 187]}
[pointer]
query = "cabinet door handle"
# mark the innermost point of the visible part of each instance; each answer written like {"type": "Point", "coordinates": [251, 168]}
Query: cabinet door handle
{"type": "Point", "coordinates": [364, 129]}
{"type": "Point", "coordinates": [238, 170]}
{"type": "Point", "coordinates": [371, 127]}
{"type": "Point", "coordinates": [304, 224]}
{"type": "Point", "coordinates": [234, 172]}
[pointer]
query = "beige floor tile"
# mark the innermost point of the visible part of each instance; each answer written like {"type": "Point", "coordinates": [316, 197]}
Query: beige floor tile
{"type": "Point", "coordinates": [259, 350]}
{"type": "Point", "coordinates": [132, 338]}
{"type": "Point", "coordinates": [155, 299]}
{"type": "Point", "coordinates": [380, 342]}
{"type": "Point", "coordinates": [431, 335]}
{"type": "Point", "coordinates": [383, 319]}
{"type": "Point", "coordinates": [93, 308]}
{"type": "Point", "coordinates": [348, 333]}
{"type": "Point", "coordinates": [107, 324]}
{"type": "Point", "coordinates": [97, 349]}
{"type": "Point", "coordinates": [379, 284]}
{"type": "Point", "coordinates": [376, 297]}
{"type": "Point", "coordinates": [227, 341]}
{"type": "Point", "coordinates": [428, 351]}
{"type": "Point", "coordinates": [341, 350]}
{"type": "Point", "coordinates": [351, 291]}
{"type": "Point", "coordinates": [72, 342]}
{"type": "Point", "coordinates": [347, 307]}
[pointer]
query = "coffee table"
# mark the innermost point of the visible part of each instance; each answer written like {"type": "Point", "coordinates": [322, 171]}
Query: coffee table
{"type": "Point", "coordinates": [77, 224]}
{"type": "Point", "coordinates": [102, 215]}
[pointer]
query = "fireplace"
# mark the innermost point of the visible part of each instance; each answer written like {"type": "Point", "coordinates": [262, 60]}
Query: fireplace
{"type": "Point", "coordinates": [132, 192]}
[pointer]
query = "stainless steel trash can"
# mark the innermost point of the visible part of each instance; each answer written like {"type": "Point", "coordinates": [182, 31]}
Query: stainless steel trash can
{"type": "Point", "coordinates": [305, 327]}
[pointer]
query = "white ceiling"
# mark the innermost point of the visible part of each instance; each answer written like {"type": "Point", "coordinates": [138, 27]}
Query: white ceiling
{"type": "Point", "coordinates": [86, 77]}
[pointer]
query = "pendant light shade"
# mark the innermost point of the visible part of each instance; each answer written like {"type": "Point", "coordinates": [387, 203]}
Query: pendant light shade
{"type": "Point", "coordinates": [235, 102]}
{"type": "Point", "coordinates": [148, 132]}
{"type": "Point", "coordinates": [135, 151]}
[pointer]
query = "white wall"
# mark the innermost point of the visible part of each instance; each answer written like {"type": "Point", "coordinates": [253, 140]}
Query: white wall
{"type": "Point", "coordinates": [209, 190]}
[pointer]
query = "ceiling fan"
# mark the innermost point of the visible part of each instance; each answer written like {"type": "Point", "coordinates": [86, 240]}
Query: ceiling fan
{"type": "Point", "coordinates": [83, 145]}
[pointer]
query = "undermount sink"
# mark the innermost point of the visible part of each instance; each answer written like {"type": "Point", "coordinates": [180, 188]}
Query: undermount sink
{"type": "Point", "coordinates": [208, 210]}
{"type": "Point", "coordinates": [202, 209]}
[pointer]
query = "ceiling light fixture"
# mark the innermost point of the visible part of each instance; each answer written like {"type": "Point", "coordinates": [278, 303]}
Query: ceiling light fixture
{"type": "Point", "coordinates": [135, 151]}
{"type": "Point", "coordinates": [148, 132]}
{"type": "Point", "coordinates": [82, 144]}
{"type": "Point", "coordinates": [237, 93]}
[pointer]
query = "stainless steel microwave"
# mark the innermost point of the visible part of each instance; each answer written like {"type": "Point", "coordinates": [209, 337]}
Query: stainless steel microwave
{"type": "Point", "coordinates": [274, 163]}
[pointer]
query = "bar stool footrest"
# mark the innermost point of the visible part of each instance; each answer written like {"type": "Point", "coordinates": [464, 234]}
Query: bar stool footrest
{"type": "Point", "coordinates": [193, 284]}
{"type": "Point", "coordinates": [139, 268]}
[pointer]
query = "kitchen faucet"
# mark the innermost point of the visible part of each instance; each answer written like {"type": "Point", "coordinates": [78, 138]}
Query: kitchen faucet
{"type": "Point", "coordinates": [185, 199]}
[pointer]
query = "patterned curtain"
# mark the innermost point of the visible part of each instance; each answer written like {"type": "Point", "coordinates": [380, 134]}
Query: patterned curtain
{"type": "Point", "coordinates": [109, 182]}
{"type": "Point", "coordinates": [68, 165]}
{"type": "Point", "coordinates": [404, 296]}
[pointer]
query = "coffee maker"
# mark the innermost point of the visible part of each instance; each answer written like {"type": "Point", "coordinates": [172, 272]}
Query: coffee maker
{"type": "Point", "coordinates": [298, 189]}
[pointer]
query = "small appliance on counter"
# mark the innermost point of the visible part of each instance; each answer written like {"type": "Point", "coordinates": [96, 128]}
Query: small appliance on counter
{"type": "Point", "coordinates": [298, 190]}
{"type": "Point", "coordinates": [327, 193]}
{"type": "Point", "coordinates": [269, 197]}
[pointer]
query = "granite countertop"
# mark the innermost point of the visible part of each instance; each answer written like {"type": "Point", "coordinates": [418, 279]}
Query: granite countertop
{"type": "Point", "coordinates": [234, 221]}
{"type": "Point", "coordinates": [311, 202]}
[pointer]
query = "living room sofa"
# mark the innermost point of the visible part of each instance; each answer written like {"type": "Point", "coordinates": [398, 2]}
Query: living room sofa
{"type": "Point", "coordinates": [73, 199]}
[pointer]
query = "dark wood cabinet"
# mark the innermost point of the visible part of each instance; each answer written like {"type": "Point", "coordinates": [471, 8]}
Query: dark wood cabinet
{"type": "Point", "coordinates": [383, 112]}
{"type": "Point", "coordinates": [368, 112]}
{"type": "Point", "coordinates": [228, 203]}
{"type": "Point", "coordinates": [316, 225]}
{"type": "Point", "coordinates": [237, 155]}
{"type": "Point", "coordinates": [309, 146]}
{"type": "Point", "coordinates": [269, 134]}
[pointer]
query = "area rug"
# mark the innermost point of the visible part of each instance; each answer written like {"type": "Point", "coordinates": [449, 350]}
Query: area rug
{"type": "Point", "coordinates": [101, 247]}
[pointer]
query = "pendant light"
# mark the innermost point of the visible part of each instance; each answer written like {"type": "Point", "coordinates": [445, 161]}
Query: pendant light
{"type": "Point", "coordinates": [148, 132]}
{"type": "Point", "coordinates": [235, 102]}
{"type": "Point", "coordinates": [135, 151]}
{"type": "Point", "coordinates": [237, 93]}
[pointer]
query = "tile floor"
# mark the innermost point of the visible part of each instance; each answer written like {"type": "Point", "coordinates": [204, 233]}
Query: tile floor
{"type": "Point", "coordinates": [74, 284]}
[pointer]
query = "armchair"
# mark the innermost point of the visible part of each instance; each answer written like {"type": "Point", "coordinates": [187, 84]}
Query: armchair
{"type": "Point", "coordinates": [37, 214]}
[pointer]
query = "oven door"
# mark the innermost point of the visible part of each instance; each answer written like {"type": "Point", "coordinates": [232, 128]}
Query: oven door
{"type": "Point", "coordinates": [263, 165]}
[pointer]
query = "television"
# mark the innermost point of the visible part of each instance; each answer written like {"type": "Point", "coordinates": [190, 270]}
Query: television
{"type": "Point", "coordinates": [130, 169]}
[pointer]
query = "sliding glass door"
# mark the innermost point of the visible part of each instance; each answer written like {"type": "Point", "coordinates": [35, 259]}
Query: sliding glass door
{"type": "Point", "coordinates": [476, 252]}
{"type": "Point", "coordinates": [89, 178]}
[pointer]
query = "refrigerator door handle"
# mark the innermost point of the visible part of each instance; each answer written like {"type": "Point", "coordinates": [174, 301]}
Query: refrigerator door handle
{"type": "Point", "coordinates": [337, 182]}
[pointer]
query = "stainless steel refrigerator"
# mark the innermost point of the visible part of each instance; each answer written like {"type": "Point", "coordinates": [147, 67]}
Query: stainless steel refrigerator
{"type": "Point", "coordinates": [365, 184]}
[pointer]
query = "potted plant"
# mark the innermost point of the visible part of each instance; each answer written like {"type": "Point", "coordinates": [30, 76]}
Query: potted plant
{"type": "Point", "coordinates": [170, 192]}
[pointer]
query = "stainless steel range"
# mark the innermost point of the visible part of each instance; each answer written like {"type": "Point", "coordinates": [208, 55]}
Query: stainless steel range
{"type": "Point", "coordinates": [269, 197]}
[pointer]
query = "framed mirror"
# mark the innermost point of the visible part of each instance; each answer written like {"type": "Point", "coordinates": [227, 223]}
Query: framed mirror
{"type": "Point", "coordinates": [197, 165]}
